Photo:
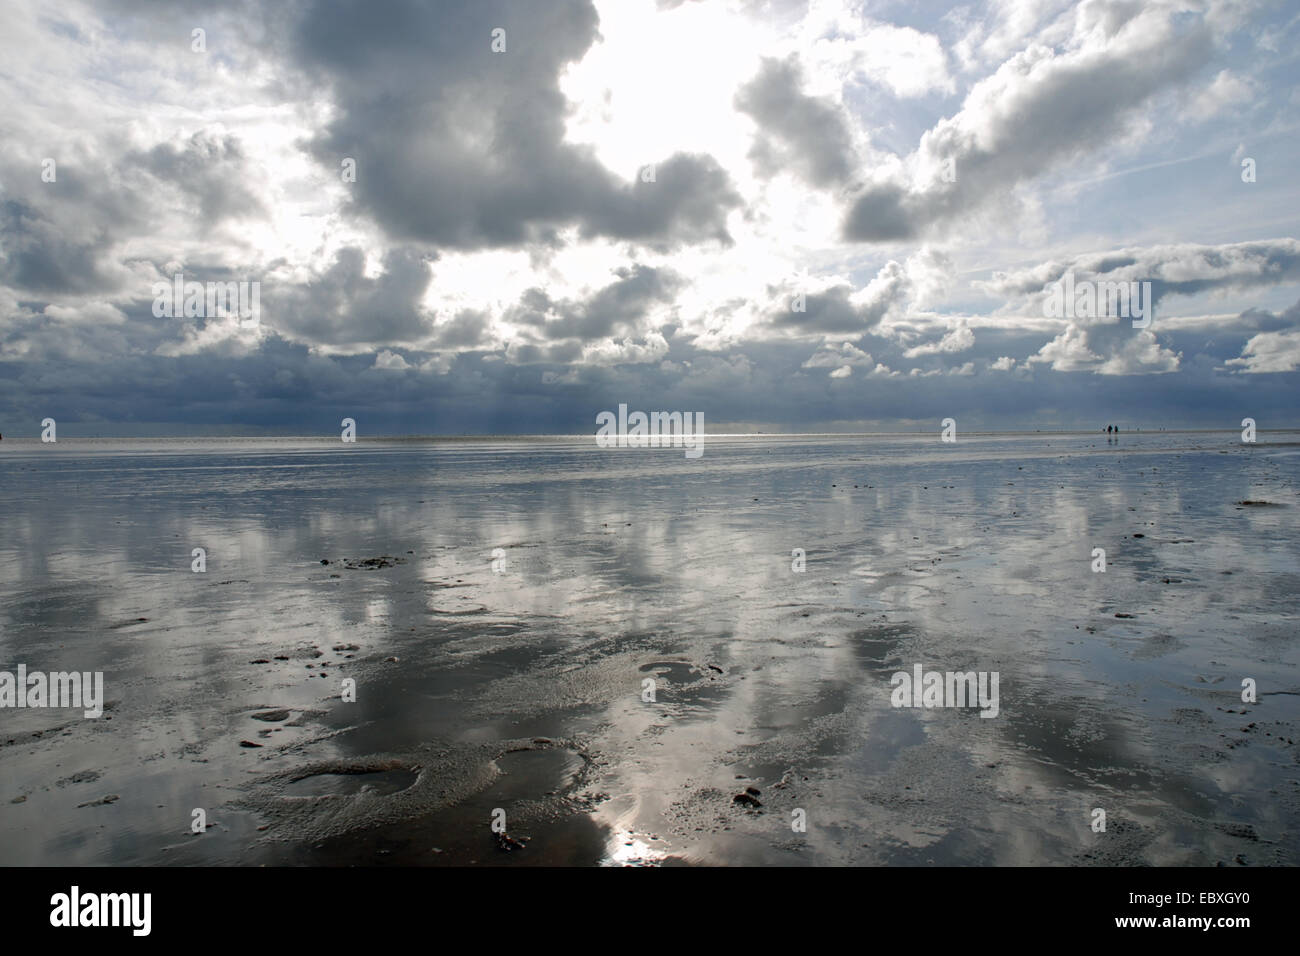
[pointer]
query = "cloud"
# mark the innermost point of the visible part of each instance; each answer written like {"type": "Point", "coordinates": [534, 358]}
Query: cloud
{"type": "Point", "coordinates": [837, 308]}
{"type": "Point", "coordinates": [59, 237]}
{"type": "Point", "coordinates": [344, 308]}
{"type": "Point", "coordinates": [1106, 350]}
{"type": "Point", "coordinates": [209, 167]}
{"type": "Point", "coordinates": [390, 361]}
{"type": "Point", "coordinates": [654, 349]}
{"type": "Point", "coordinates": [462, 147]}
{"type": "Point", "coordinates": [110, 206]}
{"type": "Point", "coordinates": [1226, 90]}
{"type": "Point", "coordinates": [497, 250]}
{"type": "Point", "coordinates": [598, 329]}
{"type": "Point", "coordinates": [1173, 269]}
{"type": "Point", "coordinates": [219, 335]}
{"type": "Point", "coordinates": [905, 60]}
{"type": "Point", "coordinates": [1271, 351]}
{"type": "Point", "coordinates": [1041, 108]}
{"type": "Point", "coordinates": [845, 355]}
{"type": "Point", "coordinates": [437, 364]}
{"type": "Point", "coordinates": [804, 134]}
{"type": "Point", "coordinates": [959, 339]}
{"type": "Point", "coordinates": [856, 49]}
{"type": "Point", "coordinates": [1068, 352]}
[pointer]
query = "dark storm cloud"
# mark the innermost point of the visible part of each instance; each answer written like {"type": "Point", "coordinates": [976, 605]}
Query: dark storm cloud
{"type": "Point", "coordinates": [686, 203]}
{"type": "Point", "coordinates": [614, 309]}
{"type": "Point", "coordinates": [886, 212]}
{"type": "Point", "coordinates": [804, 134]}
{"type": "Point", "coordinates": [288, 389]}
{"type": "Point", "coordinates": [833, 310]}
{"type": "Point", "coordinates": [342, 306]}
{"type": "Point", "coordinates": [459, 146]}
{"type": "Point", "coordinates": [1262, 320]}
{"type": "Point", "coordinates": [556, 354]}
{"type": "Point", "coordinates": [829, 311]}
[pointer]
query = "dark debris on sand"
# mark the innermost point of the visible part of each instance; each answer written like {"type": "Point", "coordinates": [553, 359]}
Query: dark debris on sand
{"type": "Point", "coordinates": [372, 564]}
{"type": "Point", "coordinates": [507, 843]}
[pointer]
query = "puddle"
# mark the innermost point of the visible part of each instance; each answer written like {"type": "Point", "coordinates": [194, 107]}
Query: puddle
{"type": "Point", "coordinates": [378, 782]}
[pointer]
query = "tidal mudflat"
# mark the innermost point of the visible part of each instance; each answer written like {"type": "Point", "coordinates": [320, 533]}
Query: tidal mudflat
{"type": "Point", "coordinates": [500, 605]}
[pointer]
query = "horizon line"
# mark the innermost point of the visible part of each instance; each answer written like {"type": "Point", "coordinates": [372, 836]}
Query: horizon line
{"type": "Point", "coordinates": [444, 436]}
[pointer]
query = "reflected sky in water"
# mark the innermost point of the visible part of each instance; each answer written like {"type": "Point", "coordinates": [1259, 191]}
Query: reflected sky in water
{"type": "Point", "coordinates": [523, 689]}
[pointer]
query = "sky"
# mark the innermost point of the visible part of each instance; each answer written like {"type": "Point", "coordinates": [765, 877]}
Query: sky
{"type": "Point", "coordinates": [506, 216]}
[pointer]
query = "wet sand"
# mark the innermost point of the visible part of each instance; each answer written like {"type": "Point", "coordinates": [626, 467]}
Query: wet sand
{"type": "Point", "coordinates": [521, 689]}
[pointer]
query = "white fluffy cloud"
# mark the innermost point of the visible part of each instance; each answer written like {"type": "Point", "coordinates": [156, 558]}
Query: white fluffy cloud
{"type": "Point", "coordinates": [1270, 352]}
{"type": "Point", "coordinates": [841, 359]}
{"type": "Point", "coordinates": [390, 361]}
{"type": "Point", "coordinates": [1106, 350]}
{"type": "Point", "coordinates": [958, 339]}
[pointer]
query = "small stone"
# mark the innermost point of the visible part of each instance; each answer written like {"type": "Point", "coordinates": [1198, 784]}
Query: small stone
{"type": "Point", "coordinates": [101, 802]}
{"type": "Point", "coordinates": [274, 716]}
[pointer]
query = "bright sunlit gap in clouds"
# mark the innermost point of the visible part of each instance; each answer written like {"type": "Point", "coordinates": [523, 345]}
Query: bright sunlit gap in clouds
{"type": "Point", "coordinates": [661, 81]}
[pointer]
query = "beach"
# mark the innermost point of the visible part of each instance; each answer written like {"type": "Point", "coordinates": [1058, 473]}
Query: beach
{"type": "Point", "coordinates": [630, 656]}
